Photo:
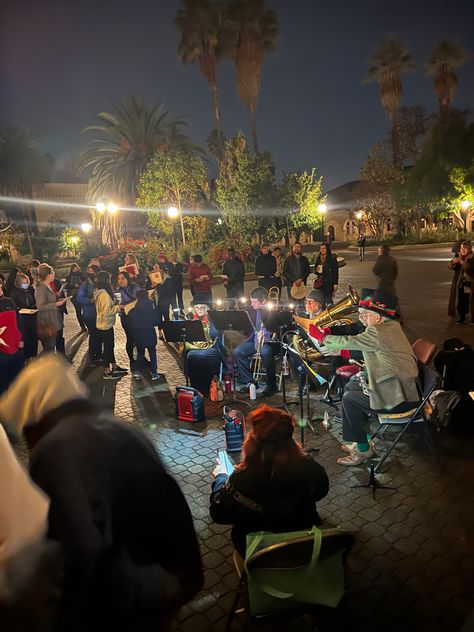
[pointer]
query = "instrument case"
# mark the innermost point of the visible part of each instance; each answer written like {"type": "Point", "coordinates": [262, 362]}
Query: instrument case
{"type": "Point", "coordinates": [189, 404]}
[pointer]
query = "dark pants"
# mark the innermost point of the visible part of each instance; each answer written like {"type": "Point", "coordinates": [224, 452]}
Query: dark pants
{"type": "Point", "coordinates": [140, 363]}
{"type": "Point", "coordinates": [30, 336]}
{"type": "Point", "coordinates": [269, 282]}
{"type": "Point", "coordinates": [201, 366]}
{"type": "Point", "coordinates": [10, 366]}
{"type": "Point", "coordinates": [361, 253]}
{"type": "Point", "coordinates": [242, 356]}
{"type": "Point", "coordinates": [178, 300]}
{"type": "Point", "coordinates": [356, 410]}
{"type": "Point", "coordinates": [107, 338]}
{"type": "Point", "coordinates": [235, 291]}
{"type": "Point", "coordinates": [60, 342]}
{"type": "Point", "coordinates": [95, 343]}
{"type": "Point", "coordinates": [164, 306]}
{"type": "Point", "coordinates": [49, 343]}
{"type": "Point", "coordinates": [464, 300]}
{"type": "Point", "coordinates": [79, 316]}
{"type": "Point", "coordinates": [130, 342]}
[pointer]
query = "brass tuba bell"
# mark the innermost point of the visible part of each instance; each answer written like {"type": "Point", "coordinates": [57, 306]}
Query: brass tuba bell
{"type": "Point", "coordinates": [332, 315]}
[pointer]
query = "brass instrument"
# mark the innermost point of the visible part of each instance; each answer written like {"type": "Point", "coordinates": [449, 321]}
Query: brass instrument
{"type": "Point", "coordinates": [274, 295]}
{"type": "Point", "coordinates": [333, 316]}
{"type": "Point", "coordinates": [259, 342]}
{"type": "Point", "coordinates": [198, 345]}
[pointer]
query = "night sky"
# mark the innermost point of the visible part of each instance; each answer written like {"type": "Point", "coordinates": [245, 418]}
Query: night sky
{"type": "Point", "coordinates": [61, 62]}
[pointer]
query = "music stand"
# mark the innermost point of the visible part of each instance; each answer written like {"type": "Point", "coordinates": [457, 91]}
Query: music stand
{"type": "Point", "coordinates": [231, 320]}
{"type": "Point", "coordinates": [184, 331]}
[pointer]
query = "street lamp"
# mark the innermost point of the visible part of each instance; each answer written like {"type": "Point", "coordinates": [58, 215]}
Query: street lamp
{"type": "Point", "coordinates": [322, 208]}
{"type": "Point", "coordinates": [86, 227]}
{"type": "Point", "coordinates": [173, 214]}
{"type": "Point", "coordinates": [465, 205]}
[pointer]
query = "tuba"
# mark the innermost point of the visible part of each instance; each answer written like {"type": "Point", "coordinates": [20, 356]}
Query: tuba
{"type": "Point", "coordinates": [333, 315]}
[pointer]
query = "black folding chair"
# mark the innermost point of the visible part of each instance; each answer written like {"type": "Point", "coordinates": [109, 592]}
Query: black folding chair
{"type": "Point", "coordinates": [415, 418]}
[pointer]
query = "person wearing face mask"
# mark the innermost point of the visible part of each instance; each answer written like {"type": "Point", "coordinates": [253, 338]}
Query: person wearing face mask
{"type": "Point", "coordinates": [32, 270]}
{"type": "Point", "coordinates": [391, 369]}
{"type": "Point", "coordinates": [73, 282]}
{"type": "Point", "coordinates": [23, 295]}
{"type": "Point", "coordinates": [85, 298]}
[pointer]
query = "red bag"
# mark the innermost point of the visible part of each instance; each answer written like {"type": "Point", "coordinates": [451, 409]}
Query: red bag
{"type": "Point", "coordinates": [318, 282]}
{"type": "Point", "coordinates": [10, 335]}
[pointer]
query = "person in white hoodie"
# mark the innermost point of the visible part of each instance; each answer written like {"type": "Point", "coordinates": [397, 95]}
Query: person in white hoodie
{"type": "Point", "coordinates": [107, 311]}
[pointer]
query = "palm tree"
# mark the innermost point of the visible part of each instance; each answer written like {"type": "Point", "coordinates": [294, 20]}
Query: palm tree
{"type": "Point", "coordinates": [252, 31]}
{"type": "Point", "coordinates": [126, 141]}
{"type": "Point", "coordinates": [22, 166]}
{"type": "Point", "coordinates": [389, 61]}
{"type": "Point", "coordinates": [201, 26]}
{"type": "Point", "coordinates": [443, 61]}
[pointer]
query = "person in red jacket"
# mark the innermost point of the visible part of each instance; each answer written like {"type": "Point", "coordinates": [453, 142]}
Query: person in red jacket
{"type": "Point", "coordinates": [200, 276]}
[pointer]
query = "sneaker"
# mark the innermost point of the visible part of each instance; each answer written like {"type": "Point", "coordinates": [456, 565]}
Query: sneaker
{"type": "Point", "coordinates": [120, 370]}
{"type": "Point", "coordinates": [111, 375]}
{"type": "Point", "coordinates": [136, 375]}
{"type": "Point", "coordinates": [350, 447]}
{"type": "Point", "coordinates": [268, 391]}
{"type": "Point", "coordinates": [155, 376]}
{"type": "Point", "coordinates": [356, 457]}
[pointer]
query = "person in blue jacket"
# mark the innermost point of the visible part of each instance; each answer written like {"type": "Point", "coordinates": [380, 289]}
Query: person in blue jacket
{"type": "Point", "coordinates": [143, 319]}
{"type": "Point", "coordinates": [85, 298]}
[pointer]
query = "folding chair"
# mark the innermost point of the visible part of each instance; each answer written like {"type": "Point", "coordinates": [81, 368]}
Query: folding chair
{"type": "Point", "coordinates": [290, 555]}
{"type": "Point", "coordinates": [402, 422]}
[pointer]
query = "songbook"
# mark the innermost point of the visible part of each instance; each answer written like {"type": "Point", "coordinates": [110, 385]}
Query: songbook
{"type": "Point", "coordinates": [226, 462]}
{"type": "Point", "coordinates": [132, 269]}
{"type": "Point", "coordinates": [128, 307]}
{"type": "Point", "coordinates": [27, 311]}
{"type": "Point", "coordinates": [155, 278]}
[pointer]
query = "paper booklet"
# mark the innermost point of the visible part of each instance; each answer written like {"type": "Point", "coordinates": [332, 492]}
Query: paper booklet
{"type": "Point", "coordinates": [25, 310]}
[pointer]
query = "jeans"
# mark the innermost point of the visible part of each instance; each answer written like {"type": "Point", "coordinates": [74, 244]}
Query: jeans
{"type": "Point", "coordinates": [140, 363]}
{"type": "Point", "coordinates": [361, 253]}
{"type": "Point", "coordinates": [95, 343]}
{"type": "Point", "coordinates": [164, 310]}
{"type": "Point", "coordinates": [60, 342]}
{"type": "Point", "coordinates": [178, 300]}
{"type": "Point", "coordinates": [49, 344]}
{"type": "Point", "coordinates": [107, 338]}
{"type": "Point", "coordinates": [242, 356]}
{"type": "Point", "coordinates": [79, 316]}
{"type": "Point", "coordinates": [130, 343]}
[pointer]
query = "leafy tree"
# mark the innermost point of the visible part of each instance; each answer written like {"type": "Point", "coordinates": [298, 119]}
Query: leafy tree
{"type": "Point", "coordinates": [174, 177]}
{"type": "Point", "coordinates": [252, 31]}
{"type": "Point", "coordinates": [301, 195]}
{"type": "Point", "coordinates": [389, 61]}
{"type": "Point", "coordinates": [245, 189]}
{"type": "Point", "coordinates": [71, 240]}
{"type": "Point", "coordinates": [462, 203]}
{"type": "Point", "coordinates": [201, 26]}
{"type": "Point", "coordinates": [22, 166]}
{"type": "Point", "coordinates": [442, 64]}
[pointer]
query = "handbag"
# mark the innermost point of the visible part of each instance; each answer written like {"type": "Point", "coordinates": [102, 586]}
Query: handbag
{"type": "Point", "coordinates": [318, 282]}
{"type": "Point", "coordinates": [273, 589]}
{"type": "Point", "coordinates": [46, 330]}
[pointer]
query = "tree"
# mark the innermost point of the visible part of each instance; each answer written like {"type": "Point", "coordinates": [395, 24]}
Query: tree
{"type": "Point", "coordinates": [174, 177]}
{"type": "Point", "coordinates": [252, 31]}
{"type": "Point", "coordinates": [22, 166]}
{"type": "Point", "coordinates": [71, 240]}
{"type": "Point", "coordinates": [201, 26]}
{"type": "Point", "coordinates": [245, 190]}
{"type": "Point", "coordinates": [462, 203]}
{"type": "Point", "coordinates": [301, 196]}
{"type": "Point", "coordinates": [442, 64]}
{"type": "Point", "coordinates": [125, 143]}
{"type": "Point", "coordinates": [389, 61]}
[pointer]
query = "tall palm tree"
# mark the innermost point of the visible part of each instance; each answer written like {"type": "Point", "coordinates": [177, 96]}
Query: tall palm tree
{"type": "Point", "coordinates": [201, 26]}
{"type": "Point", "coordinates": [389, 61]}
{"type": "Point", "coordinates": [126, 140]}
{"type": "Point", "coordinates": [22, 166]}
{"type": "Point", "coordinates": [446, 57]}
{"type": "Point", "coordinates": [252, 31]}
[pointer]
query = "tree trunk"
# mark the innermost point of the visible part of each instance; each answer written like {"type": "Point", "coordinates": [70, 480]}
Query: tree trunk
{"type": "Point", "coordinates": [253, 120]}
{"type": "Point", "coordinates": [29, 234]}
{"type": "Point", "coordinates": [182, 227]}
{"type": "Point", "coordinates": [217, 116]}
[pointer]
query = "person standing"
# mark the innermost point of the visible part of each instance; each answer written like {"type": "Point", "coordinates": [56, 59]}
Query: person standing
{"type": "Point", "coordinates": [200, 277]}
{"type": "Point", "coordinates": [23, 295]}
{"type": "Point", "coordinates": [48, 318]}
{"type": "Point", "coordinates": [57, 288]}
{"type": "Point", "coordinates": [74, 281]}
{"type": "Point", "coordinates": [32, 270]}
{"type": "Point", "coordinates": [279, 267]}
{"type": "Point", "coordinates": [85, 298]}
{"type": "Point", "coordinates": [164, 297]}
{"type": "Point", "coordinates": [462, 287]}
{"type": "Point", "coordinates": [386, 270]}
{"type": "Point", "coordinates": [128, 294]}
{"type": "Point", "coordinates": [361, 244]}
{"type": "Point", "coordinates": [265, 268]}
{"type": "Point", "coordinates": [327, 273]}
{"type": "Point", "coordinates": [295, 270]}
{"type": "Point", "coordinates": [107, 311]}
{"type": "Point", "coordinates": [176, 271]}
{"type": "Point", "coordinates": [143, 319]}
{"type": "Point", "coordinates": [235, 272]}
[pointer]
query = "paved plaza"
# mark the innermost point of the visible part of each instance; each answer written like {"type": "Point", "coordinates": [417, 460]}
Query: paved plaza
{"type": "Point", "coordinates": [412, 567]}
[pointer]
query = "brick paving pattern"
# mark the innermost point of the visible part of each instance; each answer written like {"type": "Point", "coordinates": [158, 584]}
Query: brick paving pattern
{"type": "Point", "coordinates": [412, 567]}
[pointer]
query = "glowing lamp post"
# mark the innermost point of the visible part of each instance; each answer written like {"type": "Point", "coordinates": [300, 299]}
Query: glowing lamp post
{"type": "Point", "coordinates": [322, 208]}
{"type": "Point", "coordinates": [173, 214]}
{"type": "Point", "coordinates": [86, 228]}
{"type": "Point", "coordinates": [465, 206]}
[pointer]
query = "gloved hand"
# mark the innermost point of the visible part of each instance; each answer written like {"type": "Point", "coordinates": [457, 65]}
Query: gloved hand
{"type": "Point", "coordinates": [318, 332]}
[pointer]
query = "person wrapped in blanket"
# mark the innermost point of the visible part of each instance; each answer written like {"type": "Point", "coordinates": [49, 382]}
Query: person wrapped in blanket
{"type": "Point", "coordinates": [391, 369]}
{"type": "Point", "coordinates": [203, 361]}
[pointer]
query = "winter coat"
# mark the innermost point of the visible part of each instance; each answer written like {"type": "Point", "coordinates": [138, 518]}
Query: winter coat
{"type": "Point", "coordinates": [143, 318]}
{"type": "Point", "coordinates": [387, 270]}
{"type": "Point", "coordinates": [263, 503]}
{"type": "Point", "coordinates": [389, 361]}
{"type": "Point", "coordinates": [197, 270]}
{"type": "Point", "coordinates": [265, 266]}
{"type": "Point", "coordinates": [329, 274]}
{"type": "Point", "coordinates": [106, 310]}
{"type": "Point", "coordinates": [131, 552]}
{"type": "Point", "coordinates": [73, 282]}
{"type": "Point", "coordinates": [48, 312]}
{"type": "Point", "coordinates": [176, 270]}
{"type": "Point", "coordinates": [295, 268]}
{"type": "Point", "coordinates": [127, 294]}
{"type": "Point", "coordinates": [85, 298]}
{"type": "Point", "coordinates": [462, 276]}
{"type": "Point", "coordinates": [234, 269]}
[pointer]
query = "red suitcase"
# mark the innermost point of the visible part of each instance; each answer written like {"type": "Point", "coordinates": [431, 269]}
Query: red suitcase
{"type": "Point", "coordinates": [189, 404]}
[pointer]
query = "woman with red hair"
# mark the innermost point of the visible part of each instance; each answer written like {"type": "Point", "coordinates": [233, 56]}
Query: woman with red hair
{"type": "Point", "coordinates": [276, 486]}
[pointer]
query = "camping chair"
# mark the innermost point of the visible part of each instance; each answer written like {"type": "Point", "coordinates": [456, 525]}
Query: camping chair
{"type": "Point", "coordinates": [291, 555]}
{"type": "Point", "coordinates": [424, 350]}
{"type": "Point", "coordinates": [412, 418]}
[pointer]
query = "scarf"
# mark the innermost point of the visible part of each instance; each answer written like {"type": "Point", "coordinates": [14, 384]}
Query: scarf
{"type": "Point", "coordinates": [46, 382]}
